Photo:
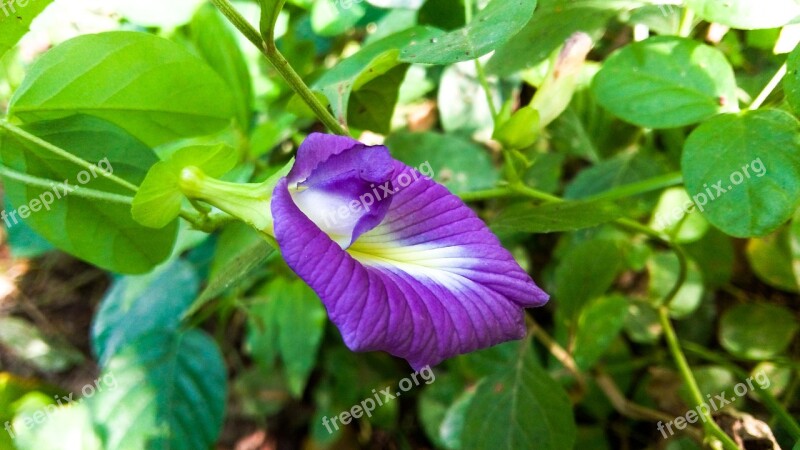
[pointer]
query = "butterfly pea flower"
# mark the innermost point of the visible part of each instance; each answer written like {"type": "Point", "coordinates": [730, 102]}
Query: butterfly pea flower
{"type": "Point", "coordinates": [400, 263]}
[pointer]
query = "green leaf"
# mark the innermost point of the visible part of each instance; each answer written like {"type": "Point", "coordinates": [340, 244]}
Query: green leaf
{"type": "Point", "coordinates": [587, 270]}
{"type": "Point", "coordinates": [747, 14]}
{"type": "Point", "coordinates": [66, 429]}
{"type": "Point", "coordinates": [757, 330]}
{"type": "Point", "coordinates": [524, 393]}
{"type": "Point", "coordinates": [159, 198]}
{"type": "Point", "coordinates": [556, 217]}
{"type": "Point", "coordinates": [663, 268]}
{"type": "Point", "coordinates": [367, 65]}
{"type": "Point", "coordinates": [16, 20]}
{"type": "Point", "coordinates": [103, 234]}
{"type": "Point", "coordinates": [490, 28]}
{"type": "Point", "coordinates": [743, 171]}
{"type": "Point", "coordinates": [792, 81]}
{"type": "Point", "coordinates": [666, 82]}
{"type": "Point", "coordinates": [520, 131]}
{"type": "Point", "coordinates": [178, 381]}
{"type": "Point", "coordinates": [331, 18]}
{"type": "Point", "coordinates": [151, 87]}
{"type": "Point", "coordinates": [715, 257]}
{"type": "Point", "coordinates": [289, 322]}
{"type": "Point", "coordinates": [771, 260]}
{"type": "Point", "coordinates": [598, 325]}
{"type": "Point", "coordinates": [795, 246]}
{"type": "Point", "coordinates": [138, 305]}
{"type": "Point", "coordinates": [240, 252]}
{"type": "Point", "coordinates": [552, 23]}
{"type": "Point", "coordinates": [219, 47]}
{"type": "Point", "coordinates": [460, 165]}
{"type": "Point", "coordinates": [270, 10]}
{"type": "Point", "coordinates": [676, 215]}
{"type": "Point", "coordinates": [373, 103]}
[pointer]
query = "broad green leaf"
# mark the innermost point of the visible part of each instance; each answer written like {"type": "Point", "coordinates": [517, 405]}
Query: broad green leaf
{"type": "Point", "coordinates": [29, 344]}
{"type": "Point", "coordinates": [16, 19]}
{"type": "Point", "coordinates": [743, 171]}
{"type": "Point", "coordinates": [335, 17]}
{"type": "Point", "coordinates": [677, 216]}
{"type": "Point", "coordinates": [460, 165]}
{"type": "Point", "coordinates": [219, 47]}
{"type": "Point", "coordinates": [521, 394]}
{"type": "Point", "coordinates": [159, 198]}
{"type": "Point", "coordinates": [372, 104]}
{"type": "Point", "coordinates": [792, 81]}
{"type": "Point", "coordinates": [771, 259]}
{"type": "Point", "coordinates": [369, 64]}
{"type": "Point", "coordinates": [642, 324]}
{"type": "Point", "coordinates": [240, 253]}
{"type": "Point", "coordinates": [663, 268]}
{"type": "Point", "coordinates": [288, 322]}
{"type": "Point", "coordinates": [747, 14]}
{"type": "Point", "coordinates": [151, 87]}
{"type": "Point", "coordinates": [666, 82]}
{"type": "Point", "coordinates": [598, 325]}
{"type": "Point", "coordinates": [138, 305]}
{"type": "Point", "coordinates": [715, 257]}
{"type": "Point", "coordinates": [439, 14]}
{"type": "Point", "coordinates": [490, 28]}
{"type": "Point", "coordinates": [587, 270]}
{"type": "Point", "coordinates": [270, 10]}
{"type": "Point", "coordinates": [757, 330]}
{"type": "Point", "coordinates": [553, 22]}
{"type": "Point", "coordinates": [103, 234]}
{"type": "Point", "coordinates": [556, 217]}
{"type": "Point", "coordinates": [170, 391]}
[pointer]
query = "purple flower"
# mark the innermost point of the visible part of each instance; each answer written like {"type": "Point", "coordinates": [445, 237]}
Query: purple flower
{"type": "Point", "coordinates": [400, 263]}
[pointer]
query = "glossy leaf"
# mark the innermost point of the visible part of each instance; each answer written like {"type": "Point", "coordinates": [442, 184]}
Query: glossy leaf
{"type": "Point", "coordinates": [666, 82]}
{"type": "Point", "coordinates": [743, 171]}
{"type": "Point", "coordinates": [792, 81]}
{"type": "Point", "coordinates": [16, 19]}
{"type": "Point", "coordinates": [598, 325]}
{"type": "Point", "coordinates": [757, 330]}
{"type": "Point", "coordinates": [587, 270]}
{"type": "Point", "coordinates": [522, 393]}
{"type": "Point", "coordinates": [167, 94]}
{"type": "Point", "coordinates": [491, 27]}
{"type": "Point", "coordinates": [101, 233]}
{"type": "Point", "coordinates": [771, 259]}
{"type": "Point", "coordinates": [556, 217]}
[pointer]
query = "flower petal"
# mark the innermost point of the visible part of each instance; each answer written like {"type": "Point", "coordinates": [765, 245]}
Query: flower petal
{"type": "Point", "coordinates": [315, 149]}
{"type": "Point", "coordinates": [334, 195]}
{"type": "Point", "coordinates": [430, 282]}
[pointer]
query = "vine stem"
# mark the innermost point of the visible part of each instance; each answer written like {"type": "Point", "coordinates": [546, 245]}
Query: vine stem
{"type": "Point", "coordinates": [66, 155]}
{"type": "Point", "coordinates": [687, 22]}
{"type": "Point", "coordinates": [280, 64]}
{"type": "Point", "coordinates": [713, 431]}
{"type": "Point", "coordinates": [72, 191]}
{"type": "Point", "coordinates": [773, 83]}
{"type": "Point", "coordinates": [484, 82]}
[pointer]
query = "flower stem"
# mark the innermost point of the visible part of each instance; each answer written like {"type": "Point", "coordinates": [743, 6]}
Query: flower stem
{"type": "Point", "coordinates": [66, 155]}
{"type": "Point", "coordinates": [713, 431]}
{"type": "Point", "coordinates": [773, 83]}
{"type": "Point", "coordinates": [84, 192]}
{"type": "Point", "coordinates": [687, 22]}
{"type": "Point", "coordinates": [641, 187]}
{"type": "Point", "coordinates": [281, 65]}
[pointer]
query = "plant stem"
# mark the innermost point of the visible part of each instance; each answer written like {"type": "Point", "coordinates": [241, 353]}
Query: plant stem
{"type": "Point", "coordinates": [281, 65]}
{"type": "Point", "coordinates": [487, 194]}
{"type": "Point", "coordinates": [479, 67]}
{"type": "Point", "coordinates": [641, 187]}
{"type": "Point", "coordinates": [687, 22]}
{"type": "Point", "coordinates": [66, 155]}
{"type": "Point", "coordinates": [713, 431]}
{"type": "Point", "coordinates": [773, 83]}
{"type": "Point", "coordinates": [72, 191]}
